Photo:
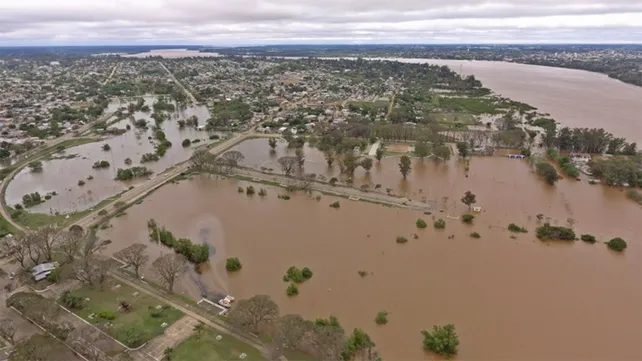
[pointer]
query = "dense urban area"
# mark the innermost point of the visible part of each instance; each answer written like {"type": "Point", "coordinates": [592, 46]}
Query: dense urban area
{"type": "Point", "coordinates": [96, 142]}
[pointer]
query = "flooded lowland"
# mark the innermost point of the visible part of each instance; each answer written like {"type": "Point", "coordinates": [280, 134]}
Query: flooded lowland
{"type": "Point", "coordinates": [63, 173]}
{"type": "Point", "coordinates": [511, 297]}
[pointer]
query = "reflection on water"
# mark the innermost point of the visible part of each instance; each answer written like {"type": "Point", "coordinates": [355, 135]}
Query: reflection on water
{"type": "Point", "coordinates": [62, 175]}
{"type": "Point", "coordinates": [501, 293]}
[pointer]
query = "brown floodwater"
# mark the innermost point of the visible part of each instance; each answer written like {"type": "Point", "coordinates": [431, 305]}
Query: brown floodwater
{"type": "Point", "coordinates": [575, 98]}
{"type": "Point", "coordinates": [62, 175]}
{"type": "Point", "coordinates": [510, 299]}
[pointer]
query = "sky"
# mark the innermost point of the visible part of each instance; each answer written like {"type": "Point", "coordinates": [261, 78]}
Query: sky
{"type": "Point", "coordinates": [254, 22]}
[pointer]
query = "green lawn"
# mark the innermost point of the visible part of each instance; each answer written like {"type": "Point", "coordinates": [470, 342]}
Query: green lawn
{"type": "Point", "coordinates": [138, 319]}
{"type": "Point", "coordinates": [208, 348]}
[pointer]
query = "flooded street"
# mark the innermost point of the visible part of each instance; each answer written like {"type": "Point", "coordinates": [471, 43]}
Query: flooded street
{"type": "Point", "coordinates": [62, 175]}
{"type": "Point", "coordinates": [579, 301]}
{"type": "Point", "coordinates": [575, 98]}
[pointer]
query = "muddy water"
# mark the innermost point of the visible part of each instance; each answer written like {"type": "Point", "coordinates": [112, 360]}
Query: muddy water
{"type": "Point", "coordinates": [62, 175]}
{"type": "Point", "coordinates": [507, 297]}
{"type": "Point", "coordinates": [575, 98]}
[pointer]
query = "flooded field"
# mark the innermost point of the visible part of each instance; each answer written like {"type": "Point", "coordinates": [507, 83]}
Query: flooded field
{"type": "Point", "coordinates": [575, 98]}
{"type": "Point", "coordinates": [62, 175]}
{"type": "Point", "coordinates": [507, 297]}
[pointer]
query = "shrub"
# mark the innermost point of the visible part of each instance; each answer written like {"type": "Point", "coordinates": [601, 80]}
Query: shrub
{"type": "Point", "coordinates": [214, 136]}
{"type": "Point", "coordinates": [475, 235]}
{"type": "Point", "coordinates": [362, 273]}
{"type": "Point", "coordinates": [307, 273]}
{"type": "Point", "coordinates": [262, 192]}
{"type": "Point", "coordinates": [547, 171]}
{"type": "Point", "coordinates": [249, 190]}
{"type": "Point", "coordinates": [634, 195]}
{"type": "Point", "coordinates": [81, 182]}
{"type": "Point", "coordinates": [284, 197]}
{"type": "Point", "coordinates": [240, 189]}
{"type": "Point", "coordinates": [382, 318]}
{"type": "Point", "coordinates": [443, 340]}
{"type": "Point", "coordinates": [440, 224]}
{"type": "Point", "coordinates": [553, 232]}
{"type": "Point", "coordinates": [106, 147]}
{"type": "Point", "coordinates": [292, 290]}
{"type": "Point", "coordinates": [155, 312]}
{"type": "Point", "coordinates": [72, 301]}
{"type": "Point", "coordinates": [333, 181]}
{"type": "Point", "coordinates": [233, 264]}
{"type": "Point", "coordinates": [133, 337]}
{"type": "Point", "coordinates": [295, 275]}
{"type": "Point", "coordinates": [467, 218]}
{"type": "Point", "coordinates": [402, 239]}
{"type": "Point", "coordinates": [515, 228]}
{"type": "Point", "coordinates": [588, 238]}
{"type": "Point", "coordinates": [335, 205]}
{"type": "Point", "coordinates": [186, 143]}
{"type": "Point", "coordinates": [107, 315]}
{"type": "Point", "coordinates": [617, 244]}
{"type": "Point", "coordinates": [421, 223]}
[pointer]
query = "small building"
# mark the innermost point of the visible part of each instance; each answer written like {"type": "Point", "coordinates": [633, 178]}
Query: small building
{"type": "Point", "coordinates": [42, 270]}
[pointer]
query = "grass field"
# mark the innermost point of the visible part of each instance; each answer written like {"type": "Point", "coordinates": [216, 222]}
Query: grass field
{"type": "Point", "coordinates": [206, 347]}
{"type": "Point", "coordinates": [139, 319]}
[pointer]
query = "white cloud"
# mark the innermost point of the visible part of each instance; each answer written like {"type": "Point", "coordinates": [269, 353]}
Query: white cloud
{"type": "Point", "coordinates": [281, 21]}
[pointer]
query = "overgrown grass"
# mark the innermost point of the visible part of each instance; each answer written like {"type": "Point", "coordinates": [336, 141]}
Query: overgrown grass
{"type": "Point", "coordinates": [139, 319]}
{"type": "Point", "coordinates": [207, 347]}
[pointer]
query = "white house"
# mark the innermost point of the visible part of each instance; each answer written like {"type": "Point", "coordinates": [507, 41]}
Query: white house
{"type": "Point", "coordinates": [42, 270]}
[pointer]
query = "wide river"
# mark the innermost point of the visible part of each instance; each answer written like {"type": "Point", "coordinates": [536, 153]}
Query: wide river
{"type": "Point", "coordinates": [575, 98]}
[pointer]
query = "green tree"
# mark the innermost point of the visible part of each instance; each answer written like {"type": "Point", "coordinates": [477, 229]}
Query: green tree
{"type": "Point", "coordinates": [379, 153]}
{"type": "Point", "coordinates": [462, 148]}
{"type": "Point", "coordinates": [405, 166]}
{"type": "Point", "coordinates": [547, 171]}
{"type": "Point", "coordinates": [186, 143]}
{"type": "Point", "coordinates": [443, 340]}
{"type": "Point", "coordinates": [272, 143]}
{"type": "Point", "coordinates": [366, 163]}
{"type": "Point", "coordinates": [422, 148]}
{"type": "Point", "coordinates": [442, 152]}
{"type": "Point", "coordinates": [469, 199]}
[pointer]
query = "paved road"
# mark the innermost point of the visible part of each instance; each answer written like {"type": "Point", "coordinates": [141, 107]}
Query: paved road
{"type": "Point", "coordinates": [171, 75]}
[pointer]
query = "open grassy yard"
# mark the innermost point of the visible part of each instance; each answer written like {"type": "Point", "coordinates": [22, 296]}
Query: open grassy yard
{"type": "Point", "coordinates": [207, 347]}
{"type": "Point", "coordinates": [133, 328]}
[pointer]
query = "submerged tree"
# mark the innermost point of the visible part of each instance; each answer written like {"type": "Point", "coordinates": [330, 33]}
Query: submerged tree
{"type": "Point", "coordinates": [288, 164]}
{"type": "Point", "coordinates": [469, 199]}
{"type": "Point", "coordinates": [405, 166]}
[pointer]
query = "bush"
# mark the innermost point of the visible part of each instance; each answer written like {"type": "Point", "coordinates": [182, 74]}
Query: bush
{"type": "Point", "coordinates": [402, 239]}
{"type": "Point", "coordinates": [333, 181]}
{"type": "Point", "coordinates": [240, 189]}
{"type": "Point", "coordinates": [553, 232]}
{"type": "Point", "coordinates": [617, 244]}
{"type": "Point", "coordinates": [106, 147]}
{"type": "Point", "coordinates": [249, 190]}
{"type": "Point", "coordinates": [292, 290]}
{"type": "Point", "coordinates": [155, 312]}
{"type": "Point", "coordinates": [284, 197]}
{"type": "Point", "coordinates": [307, 273]}
{"type": "Point", "coordinates": [475, 235]}
{"type": "Point", "coordinates": [81, 182]}
{"type": "Point", "coordinates": [443, 340]}
{"type": "Point", "coordinates": [382, 318]}
{"type": "Point", "coordinates": [295, 275]}
{"type": "Point", "coordinates": [262, 192]}
{"type": "Point", "coordinates": [73, 302]}
{"type": "Point", "coordinates": [634, 195]}
{"type": "Point", "coordinates": [547, 171]}
{"type": "Point", "coordinates": [421, 223]}
{"type": "Point", "coordinates": [233, 264]}
{"type": "Point", "coordinates": [214, 136]}
{"type": "Point", "coordinates": [362, 273]}
{"type": "Point", "coordinates": [588, 238]}
{"type": "Point", "coordinates": [107, 315]}
{"type": "Point", "coordinates": [515, 228]}
{"type": "Point", "coordinates": [440, 224]}
{"type": "Point", "coordinates": [100, 164]}
{"type": "Point", "coordinates": [335, 205]}
{"type": "Point", "coordinates": [467, 218]}
{"type": "Point", "coordinates": [186, 143]}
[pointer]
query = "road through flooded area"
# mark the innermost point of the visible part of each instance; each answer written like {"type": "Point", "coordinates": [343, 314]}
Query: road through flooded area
{"type": "Point", "coordinates": [63, 174]}
{"type": "Point", "coordinates": [510, 298]}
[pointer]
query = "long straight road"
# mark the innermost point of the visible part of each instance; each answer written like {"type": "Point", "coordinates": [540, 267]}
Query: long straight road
{"type": "Point", "coordinates": [171, 75]}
